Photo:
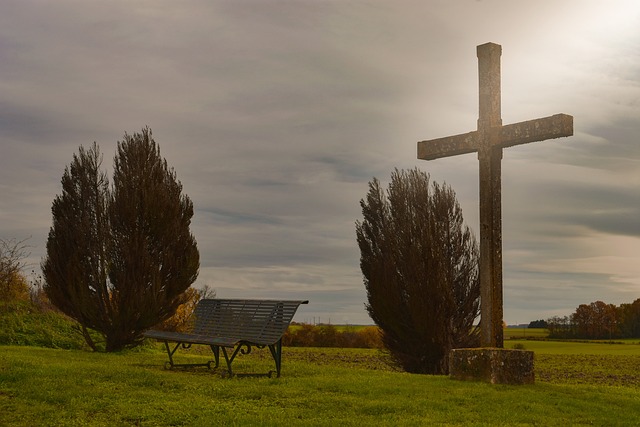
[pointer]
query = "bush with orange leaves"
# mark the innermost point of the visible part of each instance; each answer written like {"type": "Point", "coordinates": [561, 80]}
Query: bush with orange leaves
{"type": "Point", "coordinates": [13, 284]}
{"type": "Point", "coordinates": [180, 322]}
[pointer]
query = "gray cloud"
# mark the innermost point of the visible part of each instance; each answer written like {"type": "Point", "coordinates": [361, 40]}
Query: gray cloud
{"type": "Point", "coordinates": [276, 115]}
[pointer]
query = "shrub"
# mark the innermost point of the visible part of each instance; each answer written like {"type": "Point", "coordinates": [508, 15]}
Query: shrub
{"type": "Point", "coordinates": [13, 284]}
{"type": "Point", "coordinates": [305, 335]}
{"type": "Point", "coordinates": [181, 320]}
{"type": "Point", "coordinates": [420, 269]}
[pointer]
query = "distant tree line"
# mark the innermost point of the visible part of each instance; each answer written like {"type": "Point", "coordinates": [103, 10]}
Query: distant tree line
{"type": "Point", "coordinates": [539, 324]}
{"type": "Point", "coordinates": [598, 320]}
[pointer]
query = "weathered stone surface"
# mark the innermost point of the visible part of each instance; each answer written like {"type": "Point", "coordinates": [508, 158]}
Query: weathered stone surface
{"type": "Point", "coordinates": [493, 365]}
{"type": "Point", "coordinates": [488, 141]}
{"type": "Point", "coordinates": [556, 126]}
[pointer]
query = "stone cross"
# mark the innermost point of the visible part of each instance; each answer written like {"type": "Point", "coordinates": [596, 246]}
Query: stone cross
{"type": "Point", "coordinates": [488, 141]}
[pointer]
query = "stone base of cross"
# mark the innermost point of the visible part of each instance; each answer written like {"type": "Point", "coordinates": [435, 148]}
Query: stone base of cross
{"type": "Point", "coordinates": [488, 141]}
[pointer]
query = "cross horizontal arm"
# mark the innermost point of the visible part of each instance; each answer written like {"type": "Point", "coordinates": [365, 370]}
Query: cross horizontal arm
{"type": "Point", "coordinates": [448, 146]}
{"type": "Point", "coordinates": [556, 126]}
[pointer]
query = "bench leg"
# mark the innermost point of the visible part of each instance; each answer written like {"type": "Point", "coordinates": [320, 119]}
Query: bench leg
{"type": "Point", "coordinates": [216, 353]}
{"type": "Point", "coordinates": [170, 353]}
{"type": "Point", "coordinates": [245, 348]}
{"type": "Point", "coordinates": [237, 350]}
{"type": "Point", "coordinates": [276, 352]}
{"type": "Point", "coordinates": [229, 357]}
{"type": "Point", "coordinates": [170, 364]}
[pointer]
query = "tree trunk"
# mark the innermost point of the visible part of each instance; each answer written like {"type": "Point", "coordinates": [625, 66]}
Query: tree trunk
{"type": "Point", "coordinates": [87, 338]}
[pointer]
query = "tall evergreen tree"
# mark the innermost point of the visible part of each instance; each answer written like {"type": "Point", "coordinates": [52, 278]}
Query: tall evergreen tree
{"type": "Point", "coordinates": [120, 259]}
{"type": "Point", "coordinates": [420, 270]}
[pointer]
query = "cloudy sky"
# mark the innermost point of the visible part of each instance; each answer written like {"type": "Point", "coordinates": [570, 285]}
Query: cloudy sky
{"type": "Point", "coordinates": [276, 115]}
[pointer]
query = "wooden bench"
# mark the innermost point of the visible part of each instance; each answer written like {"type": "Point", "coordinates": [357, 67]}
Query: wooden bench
{"type": "Point", "coordinates": [235, 326]}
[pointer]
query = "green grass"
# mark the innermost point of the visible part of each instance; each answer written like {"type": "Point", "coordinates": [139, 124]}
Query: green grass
{"type": "Point", "coordinates": [25, 324]}
{"type": "Point", "coordinates": [319, 387]}
{"type": "Point", "coordinates": [574, 362]}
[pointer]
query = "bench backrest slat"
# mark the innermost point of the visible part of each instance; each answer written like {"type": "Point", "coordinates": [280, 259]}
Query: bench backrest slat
{"type": "Point", "coordinates": [260, 322]}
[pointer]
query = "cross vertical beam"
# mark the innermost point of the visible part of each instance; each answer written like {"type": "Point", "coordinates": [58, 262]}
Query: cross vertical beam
{"type": "Point", "coordinates": [490, 158]}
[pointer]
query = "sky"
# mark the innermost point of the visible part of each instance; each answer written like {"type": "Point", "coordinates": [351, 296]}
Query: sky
{"type": "Point", "coordinates": [277, 114]}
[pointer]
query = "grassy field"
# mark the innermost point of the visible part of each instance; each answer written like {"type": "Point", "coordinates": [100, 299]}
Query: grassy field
{"type": "Point", "coordinates": [614, 364]}
{"type": "Point", "coordinates": [319, 387]}
{"type": "Point", "coordinates": [614, 348]}
{"type": "Point", "coordinates": [525, 333]}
